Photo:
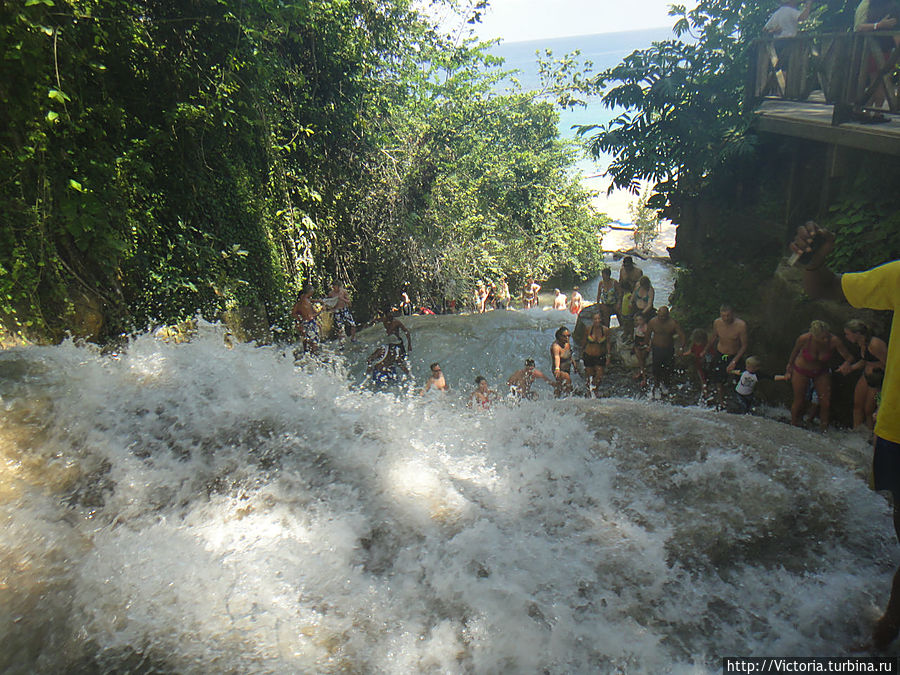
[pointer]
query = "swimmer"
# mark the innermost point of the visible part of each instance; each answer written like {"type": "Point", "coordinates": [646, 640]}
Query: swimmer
{"type": "Point", "coordinates": [576, 301]}
{"type": "Point", "coordinates": [339, 300]}
{"type": "Point", "coordinates": [520, 381]}
{"type": "Point", "coordinates": [386, 364]}
{"type": "Point", "coordinates": [559, 299]}
{"type": "Point", "coordinates": [483, 397]}
{"type": "Point", "coordinates": [436, 380]}
{"type": "Point", "coordinates": [727, 344]}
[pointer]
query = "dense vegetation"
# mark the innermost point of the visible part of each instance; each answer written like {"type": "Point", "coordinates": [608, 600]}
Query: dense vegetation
{"type": "Point", "coordinates": [160, 158]}
{"type": "Point", "coordinates": [686, 132]}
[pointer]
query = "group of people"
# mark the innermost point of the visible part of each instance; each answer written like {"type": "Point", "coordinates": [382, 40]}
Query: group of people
{"type": "Point", "coordinates": [491, 295]}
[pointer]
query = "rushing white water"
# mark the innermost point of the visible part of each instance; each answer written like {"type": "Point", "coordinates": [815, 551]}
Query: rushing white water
{"type": "Point", "coordinates": [192, 508]}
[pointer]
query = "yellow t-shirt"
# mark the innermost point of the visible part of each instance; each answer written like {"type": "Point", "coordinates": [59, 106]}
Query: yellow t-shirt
{"type": "Point", "coordinates": [879, 288]}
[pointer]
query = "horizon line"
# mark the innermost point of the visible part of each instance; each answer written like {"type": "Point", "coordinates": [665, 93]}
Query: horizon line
{"type": "Point", "coordinates": [580, 35]}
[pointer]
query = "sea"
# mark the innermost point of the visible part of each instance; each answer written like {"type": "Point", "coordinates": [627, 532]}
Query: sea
{"type": "Point", "coordinates": [603, 50]}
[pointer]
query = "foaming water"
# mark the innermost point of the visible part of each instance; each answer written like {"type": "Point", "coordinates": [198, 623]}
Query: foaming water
{"type": "Point", "coordinates": [192, 508]}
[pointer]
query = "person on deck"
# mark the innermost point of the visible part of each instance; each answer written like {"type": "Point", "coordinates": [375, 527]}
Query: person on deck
{"type": "Point", "coordinates": [727, 344]}
{"type": "Point", "coordinates": [785, 21]}
{"type": "Point", "coordinates": [809, 362]}
{"type": "Point", "coordinates": [877, 288]}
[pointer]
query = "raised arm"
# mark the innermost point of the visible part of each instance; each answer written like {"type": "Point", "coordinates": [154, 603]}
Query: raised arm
{"type": "Point", "coordinates": [819, 282]}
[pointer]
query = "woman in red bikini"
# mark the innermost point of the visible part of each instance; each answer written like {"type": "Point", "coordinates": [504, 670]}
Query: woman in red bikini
{"type": "Point", "coordinates": [810, 362]}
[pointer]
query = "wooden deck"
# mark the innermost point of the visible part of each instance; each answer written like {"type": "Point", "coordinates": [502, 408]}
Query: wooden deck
{"type": "Point", "coordinates": [812, 120]}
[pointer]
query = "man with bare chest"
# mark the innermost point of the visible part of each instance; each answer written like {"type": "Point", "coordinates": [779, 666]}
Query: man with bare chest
{"type": "Point", "coordinates": [662, 330]}
{"type": "Point", "coordinates": [727, 344]}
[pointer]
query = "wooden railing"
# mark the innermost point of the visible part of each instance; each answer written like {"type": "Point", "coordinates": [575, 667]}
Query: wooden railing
{"type": "Point", "coordinates": [852, 71]}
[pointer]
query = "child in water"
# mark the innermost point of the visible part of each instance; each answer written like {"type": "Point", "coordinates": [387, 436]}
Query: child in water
{"type": "Point", "coordinates": [747, 381]}
{"type": "Point", "coordinates": [699, 340]}
{"type": "Point", "coordinates": [482, 396]}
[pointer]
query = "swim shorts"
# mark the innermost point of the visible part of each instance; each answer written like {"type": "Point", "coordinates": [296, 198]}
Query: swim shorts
{"type": "Point", "coordinates": [718, 370]}
{"type": "Point", "coordinates": [886, 467]}
{"type": "Point", "coordinates": [663, 360]}
{"type": "Point", "coordinates": [344, 317]}
{"type": "Point", "coordinates": [311, 330]}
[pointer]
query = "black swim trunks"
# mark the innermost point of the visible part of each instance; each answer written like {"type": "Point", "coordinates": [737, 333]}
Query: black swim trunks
{"type": "Point", "coordinates": [663, 360]}
{"type": "Point", "coordinates": [886, 467]}
{"type": "Point", "coordinates": [718, 369]}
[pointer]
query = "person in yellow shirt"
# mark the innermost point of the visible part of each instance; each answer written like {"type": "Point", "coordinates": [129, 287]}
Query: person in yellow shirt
{"type": "Point", "coordinates": [877, 288]}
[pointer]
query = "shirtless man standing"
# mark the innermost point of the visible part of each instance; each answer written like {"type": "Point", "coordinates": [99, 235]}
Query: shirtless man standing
{"type": "Point", "coordinates": [662, 330]}
{"type": "Point", "coordinates": [305, 316]}
{"type": "Point", "coordinates": [729, 337]}
{"type": "Point", "coordinates": [341, 310]}
{"type": "Point", "coordinates": [520, 381]}
{"type": "Point", "coordinates": [576, 301]}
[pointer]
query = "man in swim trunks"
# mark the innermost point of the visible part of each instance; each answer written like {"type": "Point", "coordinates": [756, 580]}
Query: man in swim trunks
{"type": "Point", "coordinates": [662, 330]}
{"type": "Point", "coordinates": [559, 299]}
{"type": "Point", "coordinates": [877, 288]}
{"type": "Point", "coordinates": [305, 316]}
{"type": "Point", "coordinates": [386, 364]}
{"type": "Point", "coordinates": [727, 344]}
{"type": "Point", "coordinates": [341, 310]}
{"type": "Point", "coordinates": [520, 381]}
{"type": "Point", "coordinates": [393, 326]}
{"type": "Point", "coordinates": [436, 380]}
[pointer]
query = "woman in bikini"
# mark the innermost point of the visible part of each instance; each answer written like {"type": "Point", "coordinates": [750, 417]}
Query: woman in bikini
{"type": "Point", "coordinates": [608, 295]}
{"type": "Point", "coordinates": [872, 355]}
{"type": "Point", "coordinates": [561, 361]}
{"type": "Point", "coordinates": [809, 362]}
{"type": "Point", "coordinates": [594, 353]}
{"type": "Point", "coordinates": [642, 300]}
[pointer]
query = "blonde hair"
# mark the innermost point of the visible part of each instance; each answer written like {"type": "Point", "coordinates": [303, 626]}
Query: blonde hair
{"type": "Point", "coordinates": [753, 361]}
{"type": "Point", "coordinates": [859, 327]}
{"type": "Point", "coordinates": [818, 328]}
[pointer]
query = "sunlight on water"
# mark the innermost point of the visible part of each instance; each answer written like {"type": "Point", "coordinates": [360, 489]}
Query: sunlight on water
{"type": "Point", "coordinates": [192, 508]}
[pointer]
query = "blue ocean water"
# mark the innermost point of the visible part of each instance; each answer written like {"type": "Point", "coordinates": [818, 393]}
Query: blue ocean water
{"type": "Point", "coordinates": [603, 50]}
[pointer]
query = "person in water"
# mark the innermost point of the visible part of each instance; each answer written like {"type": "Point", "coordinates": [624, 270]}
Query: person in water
{"type": "Point", "coordinates": [810, 362]}
{"type": "Point", "coordinates": [662, 330]}
{"type": "Point", "coordinates": [877, 288]}
{"type": "Point", "coordinates": [387, 364]}
{"type": "Point", "coordinates": [559, 299]}
{"type": "Point", "coordinates": [872, 356]}
{"type": "Point", "coordinates": [629, 276]}
{"type": "Point", "coordinates": [340, 301]}
{"type": "Point", "coordinates": [520, 381]}
{"type": "Point", "coordinates": [576, 301]}
{"type": "Point", "coordinates": [436, 380]}
{"type": "Point", "coordinates": [643, 297]}
{"type": "Point", "coordinates": [393, 326]}
{"type": "Point", "coordinates": [747, 381]}
{"type": "Point", "coordinates": [307, 320]}
{"type": "Point", "coordinates": [530, 294]}
{"type": "Point", "coordinates": [503, 296]}
{"type": "Point", "coordinates": [595, 353]}
{"type": "Point", "coordinates": [483, 396]}
{"type": "Point", "coordinates": [727, 344]}
{"type": "Point", "coordinates": [561, 361]}
{"type": "Point", "coordinates": [640, 347]}
{"type": "Point", "coordinates": [608, 294]}
{"type": "Point", "coordinates": [698, 352]}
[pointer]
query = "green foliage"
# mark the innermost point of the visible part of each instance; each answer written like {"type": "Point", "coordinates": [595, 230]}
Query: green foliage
{"type": "Point", "coordinates": [165, 158]}
{"type": "Point", "coordinates": [866, 220]}
{"type": "Point", "coordinates": [645, 220]}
